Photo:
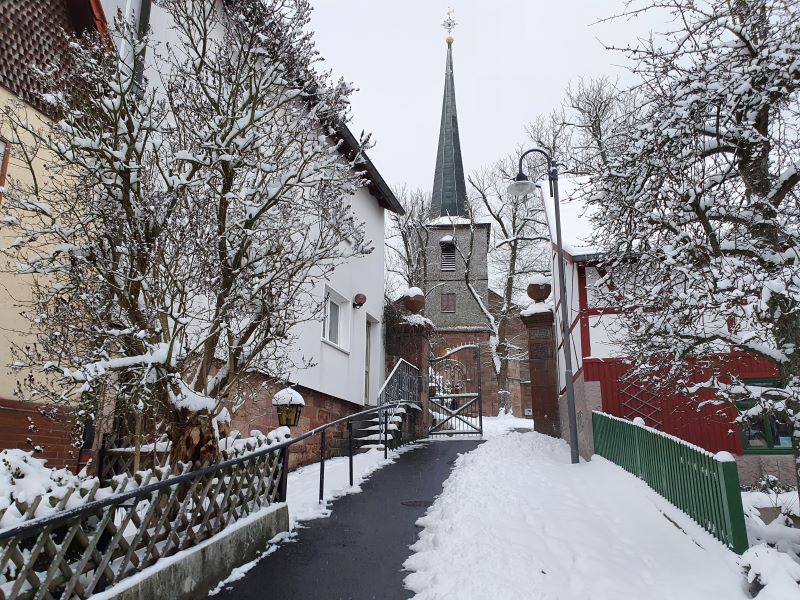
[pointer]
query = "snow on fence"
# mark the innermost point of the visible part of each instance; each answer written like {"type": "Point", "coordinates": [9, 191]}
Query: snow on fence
{"type": "Point", "coordinates": [74, 552]}
{"type": "Point", "coordinates": [703, 485]}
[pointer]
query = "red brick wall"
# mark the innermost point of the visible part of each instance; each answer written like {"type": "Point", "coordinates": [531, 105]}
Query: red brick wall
{"type": "Point", "coordinates": [23, 426]}
{"type": "Point", "coordinates": [258, 413]}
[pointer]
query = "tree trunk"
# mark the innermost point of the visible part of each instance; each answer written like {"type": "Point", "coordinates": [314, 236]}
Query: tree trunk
{"type": "Point", "coordinates": [194, 440]}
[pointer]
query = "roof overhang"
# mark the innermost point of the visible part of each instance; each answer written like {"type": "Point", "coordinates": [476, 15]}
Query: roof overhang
{"type": "Point", "coordinates": [377, 185]}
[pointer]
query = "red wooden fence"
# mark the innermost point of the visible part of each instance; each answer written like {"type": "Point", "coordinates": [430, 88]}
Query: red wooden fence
{"type": "Point", "coordinates": [709, 427]}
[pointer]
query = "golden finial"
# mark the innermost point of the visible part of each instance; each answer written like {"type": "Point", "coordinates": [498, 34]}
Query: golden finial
{"type": "Point", "coordinates": [449, 24]}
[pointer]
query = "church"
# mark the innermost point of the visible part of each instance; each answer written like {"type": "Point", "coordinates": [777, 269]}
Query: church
{"type": "Point", "coordinates": [460, 302]}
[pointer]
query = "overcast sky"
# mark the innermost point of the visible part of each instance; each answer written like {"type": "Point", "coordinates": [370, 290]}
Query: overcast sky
{"type": "Point", "coordinates": [512, 61]}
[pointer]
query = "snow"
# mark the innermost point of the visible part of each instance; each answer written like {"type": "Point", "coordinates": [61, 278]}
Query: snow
{"type": "Point", "coordinates": [303, 485]}
{"type": "Point", "coordinates": [539, 279]}
{"type": "Point", "coordinates": [576, 215]}
{"type": "Point", "coordinates": [188, 398]}
{"type": "Point", "coordinates": [449, 221]}
{"type": "Point", "coordinates": [288, 396]}
{"type": "Point", "coordinates": [417, 320]}
{"type": "Point", "coordinates": [411, 292]}
{"type": "Point", "coordinates": [500, 425]}
{"type": "Point", "coordinates": [539, 527]}
{"type": "Point", "coordinates": [447, 239]}
{"type": "Point", "coordinates": [23, 477]}
{"type": "Point", "coordinates": [774, 570]}
{"type": "Point", "coordinates": [536, 308]}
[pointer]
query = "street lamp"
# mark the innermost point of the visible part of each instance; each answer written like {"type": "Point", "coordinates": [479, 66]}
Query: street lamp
{"type": "Point", "coordinates": [521, 186]}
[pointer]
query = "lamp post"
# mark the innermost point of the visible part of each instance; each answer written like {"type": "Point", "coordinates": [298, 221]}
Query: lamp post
{"type": "Point", "coordinates": [521, 186]}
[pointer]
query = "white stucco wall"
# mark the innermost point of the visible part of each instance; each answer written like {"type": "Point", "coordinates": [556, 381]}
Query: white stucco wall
{"type": "Point", "coordinates": [340, 371]}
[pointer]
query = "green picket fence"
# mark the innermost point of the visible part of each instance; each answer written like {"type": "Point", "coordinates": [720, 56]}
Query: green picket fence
{"type": "Point", "coordinates": [703, 485]}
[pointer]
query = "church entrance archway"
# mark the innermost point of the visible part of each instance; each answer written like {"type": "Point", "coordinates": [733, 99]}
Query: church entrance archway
{"type": "Point", "coordinates": [455, 392]}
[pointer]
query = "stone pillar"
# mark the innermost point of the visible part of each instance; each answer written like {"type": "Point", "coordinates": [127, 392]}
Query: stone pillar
{"type": "Point", "coordinates": [411, 342]}
{"type": "Point", "coordinates": [543, 367]}
{"type": "Point", "coordinates": [408, 337]}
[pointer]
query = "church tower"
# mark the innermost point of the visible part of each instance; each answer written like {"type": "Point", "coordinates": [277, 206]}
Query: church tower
{"type": "Point", "coordinates": [452, 239]}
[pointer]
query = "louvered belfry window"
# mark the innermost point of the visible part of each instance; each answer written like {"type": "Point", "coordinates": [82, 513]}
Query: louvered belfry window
{"type": "Point", "coordinates": [448, 256]}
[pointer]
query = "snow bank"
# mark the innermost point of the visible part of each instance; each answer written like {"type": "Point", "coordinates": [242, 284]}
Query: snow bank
{"type": "Point", "coordinates": [516, 520]}
{"type": "Point", "coordinates": [773, 572]}
{"type": "Point", "coordinates": [773, 560]}
{"type": "Point", "coordinates": [494, 426]}
{"type": "Point", "coordinates": [24, 477]}
{"type": "Point", "coordinates": [288, 396]}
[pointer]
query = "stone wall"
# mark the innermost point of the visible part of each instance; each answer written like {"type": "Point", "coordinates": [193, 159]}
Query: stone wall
{"type": "Point", "coordinates": [587, 399]}
{"type": "Point", "coordinates": [753, 467]}
{"type": "Point", "coordinates": [258, 413]}
{"type": "Point", "coordinates": [468, 312]}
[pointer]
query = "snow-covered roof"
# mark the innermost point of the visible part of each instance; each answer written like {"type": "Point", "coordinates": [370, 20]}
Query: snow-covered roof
{"type": "Point", "coordinates": [576, 225]}
{"type": "Point", "coordinates": [449, 221]}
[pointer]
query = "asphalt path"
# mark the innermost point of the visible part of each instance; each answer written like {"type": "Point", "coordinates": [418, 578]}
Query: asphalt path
{"type": "Point", "coordinates": [358, 552]}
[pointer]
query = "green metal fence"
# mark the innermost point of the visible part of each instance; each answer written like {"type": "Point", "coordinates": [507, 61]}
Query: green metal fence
{"type": "Point", "coordinates": [705, 486]}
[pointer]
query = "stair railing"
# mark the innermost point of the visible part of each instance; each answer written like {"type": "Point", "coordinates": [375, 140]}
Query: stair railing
{"type": "Point", "coordinates": [402, 385]}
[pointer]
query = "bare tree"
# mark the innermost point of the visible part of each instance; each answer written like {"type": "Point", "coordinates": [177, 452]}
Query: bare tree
{"type": "Point", "coordinates": [177, 237]}
{"type": "Point", "coordinates": [407, 241]}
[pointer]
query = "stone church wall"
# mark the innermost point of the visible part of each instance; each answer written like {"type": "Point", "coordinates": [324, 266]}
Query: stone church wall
{"type": "Point", "coordinates": [468, 312]}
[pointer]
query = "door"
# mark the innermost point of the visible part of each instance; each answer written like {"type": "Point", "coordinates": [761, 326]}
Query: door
{"type": "Point", "coordinates": [367, 360]}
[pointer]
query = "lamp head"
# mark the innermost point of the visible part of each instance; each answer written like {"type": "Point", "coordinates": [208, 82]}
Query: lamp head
{"type": "Point", "coordinates": [521, 185]}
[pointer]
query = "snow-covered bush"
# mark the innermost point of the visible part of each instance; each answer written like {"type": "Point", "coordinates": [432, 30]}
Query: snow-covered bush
{"type": "Point", "coordinates": [772, 575]}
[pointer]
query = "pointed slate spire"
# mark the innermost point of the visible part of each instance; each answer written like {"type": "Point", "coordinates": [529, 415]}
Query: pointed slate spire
{"type": "Point", "coordinates": [449, 188]}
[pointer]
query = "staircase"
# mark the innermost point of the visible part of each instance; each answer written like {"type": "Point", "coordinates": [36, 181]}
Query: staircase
{"type": "Point", "coordinates": [369, 433]}
{"type": "Point", "coordinates": [377, 431]}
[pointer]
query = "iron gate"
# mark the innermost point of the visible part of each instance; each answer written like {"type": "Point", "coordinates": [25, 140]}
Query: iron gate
{"type": "Point", "coordinates": [455, 392]}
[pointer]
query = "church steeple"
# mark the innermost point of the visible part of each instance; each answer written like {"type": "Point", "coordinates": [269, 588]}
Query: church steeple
{"type": "Point", "coordinates": [449, 188]}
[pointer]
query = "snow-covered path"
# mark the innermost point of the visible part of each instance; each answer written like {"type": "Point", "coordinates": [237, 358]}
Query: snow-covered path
{"type": "Point", "coordinates": [516, 520]}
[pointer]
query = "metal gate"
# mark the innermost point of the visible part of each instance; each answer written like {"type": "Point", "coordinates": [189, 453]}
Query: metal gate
{"type": "Point", "coordinates": [455, 392]}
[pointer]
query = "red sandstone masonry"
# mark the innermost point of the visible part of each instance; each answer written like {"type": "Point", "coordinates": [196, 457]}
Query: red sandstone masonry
{"type": "Point", "coordinates": [53, 436]}
{"type": "Point", "coordinates": [258, 413]}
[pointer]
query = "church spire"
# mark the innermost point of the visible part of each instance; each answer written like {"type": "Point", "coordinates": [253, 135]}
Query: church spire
{"type": "Point", "coordinates": [449, 188]}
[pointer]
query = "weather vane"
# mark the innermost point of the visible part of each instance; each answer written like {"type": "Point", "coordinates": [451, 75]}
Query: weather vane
{"type": "Point", "coordinates": [449, 23]}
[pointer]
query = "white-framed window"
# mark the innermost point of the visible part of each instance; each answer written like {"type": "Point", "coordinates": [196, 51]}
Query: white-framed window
{"type": "Point", "coordinates": [335, 319]}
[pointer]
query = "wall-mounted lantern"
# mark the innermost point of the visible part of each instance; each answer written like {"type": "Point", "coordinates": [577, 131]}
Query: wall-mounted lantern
{"type": "Point", "coordinates": [359, 301]}
{"type": "Point", "coordinates": [289, 404]}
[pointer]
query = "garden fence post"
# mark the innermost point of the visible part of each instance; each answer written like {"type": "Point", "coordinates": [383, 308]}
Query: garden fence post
{"type": "Point", "coordinates": [733, 510]}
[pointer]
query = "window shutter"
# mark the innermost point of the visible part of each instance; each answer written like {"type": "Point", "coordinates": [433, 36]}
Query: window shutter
{"type": "Point", "coordinates": [448, 257]}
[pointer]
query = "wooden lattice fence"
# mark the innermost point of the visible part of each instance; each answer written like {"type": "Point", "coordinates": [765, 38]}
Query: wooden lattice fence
{"type": "Point", "coordinates": [119, 530]}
